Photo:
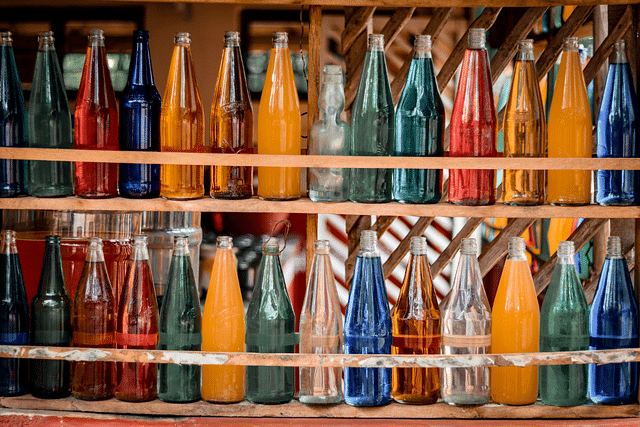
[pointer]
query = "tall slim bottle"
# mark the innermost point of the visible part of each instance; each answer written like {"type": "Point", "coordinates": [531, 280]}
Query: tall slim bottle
{"type": "Point", "coordinates": [137, 326]}
{"type": "Point", "coordinates": [466, 329]}
{"type": "Point", "coordinates": [321, 330]}
{"type": "Point", "coordinates": [14, 317]}
{"type": "Point", "coordinates": [271, 326]}
{"type": "Point", "coordinates": [515, 329]}
{"type": "Point", "coordinates": [140, 107]}
{"type": "Point", "coordinates": [330, 135]}
{"type": "Point", "coordinates": [525, 131]}
{"type": "Point", "coordinates": [613, 323]}
{"type": "Point", "coordinates": [182, 125]}
{"type": "Point", "coordinates": [419, 128]}
{"type": "Point", "coordinates": [14, 176]}
{"type": "Point", "coordinates": [180, 327]}
{"type": "Point", "coordinates": [473, 127]}
{"type": "Point", "coordinates": [51, 326]}
{"type": "Point", "coordinates": [49, 118]}
{"type": "Point", "coordinates": [232, 123]}
{"type": "Point", "coordinates": [617, 134]}
{"type": "Point", "coordinates": [569, 130]}
{"type": "Point", "coordinates": [93, 321]}
{"type": "Point", "coordinates": [96, 123]}
{"type": "Point", "coordinates": [223, 327]}
{"type": "Point", "coordinates": [372, 126]}
{"type": "Point", "coordinates": [279, 123]}
{"type": "Point", "coordinates": [564, 326]}
{"type": "Point", "coordinates": [416, 329]}
{"type": "Point", "coordinates": [367, 327]}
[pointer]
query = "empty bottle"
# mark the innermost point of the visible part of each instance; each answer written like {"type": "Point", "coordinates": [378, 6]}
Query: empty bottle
{"type": "Point", "coordinates": [473, 128]}
{"type": "Point", "coordinates": [372, 126]}
{"type": "Point", "coordinates": [419, 128]}
{"type": "Point", "coordinates": [140, 107]}
{"type": "Point", "coordinates": [13, 121]}
{"type": "Point", "coordinates": [466, 329]}
{"type": "Point", "coordinates": [180, 327]}
{"type": "Point", "coordinates": [564, 326]}
{"type": "Point", "coordinates": [321, 330]}
{"type": "Point", "coordinates": [14, 317]}
{"type": "Point", "coordinates": [416, 329]}
{"type": "Point", "coordinates": [49, 122]}
{"type": "Point", "coordinates": [617, 135]}
{"type": "Point", "coordinates": [93, 321]}
{"type": "Point", "coordinates": [330, 135]}
{"type": "Point", "coordinates": [96, 123]}
{"type": "Point", "coordinates": [232, 123]}
{"type": "Point", "coordinates": [613, 323]}
{"type": "Point", "coordinates": [525, 131]}
{"type": "Point", "coordinates": [51, 326]}
{"type": "Point", "coordinates": [367, 327]}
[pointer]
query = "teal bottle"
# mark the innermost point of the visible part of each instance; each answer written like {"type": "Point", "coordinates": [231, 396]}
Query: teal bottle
{"type": "Point", "coordinates": [49, 118]}
{"type": "Point", "coordinates": [271, 325]}
{"type": "Point", "coordinates": [372, 126]}
{"type": "Point", "coordinates": [564, 326]}
{"type": "Point", "coordinates": [180, 327]}
{"type": "Point", "coordinates": [419, 129]}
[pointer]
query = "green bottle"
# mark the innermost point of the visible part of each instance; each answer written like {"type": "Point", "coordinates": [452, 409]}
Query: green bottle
{"type": "Point", "coordinates": [180, 327]}
{"type": "Point", "coordinates": [564, 326]}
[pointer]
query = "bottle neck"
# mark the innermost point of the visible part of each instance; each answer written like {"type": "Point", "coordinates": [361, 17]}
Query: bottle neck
{"type": "Point", "coordinates": [476, 38]}
{"type": "Point", "coordinates": [614, 247]}
{"type": "Point", "coordinates": [94, 250]}
{"type": "Point", "coordinates": [224, 242]}
{"type": "Point", "coordinates": [181, 246]}
{"type": "Point", "coordinates": [46, 40]}
{"type": "Point", "coordinates": [422, 47]}
{"type": "Point", "coordinates": [566, 253]}
{"type": "Point", "coordinates": [8, 245]}
{"type": "Point", "coordinates": [96, 39]}
{"type": "Point", "coordinates": [140, 252]}
{"type": "Point", "coordinates": [469, 247]}
{"type": "Point", "coordinates": [525, 50]}
{"type": "Point", "coordinates": [54, 283]}
{"type": "Point", "coordinates": [516, 249]}
{"type": "Point", "coordinates": [280, 40]}
{"type": "Point", "coordinates": [231, 39]}
{"type": "Point", "coordinates": [5, 39]}
{"type": "Point", "coordinates": [619, 53]}
{"type": "Point", "coordinates": [321, 247]}
{"type": "Point", "coordinates": [140, 71]}
{"type": "Point", "coordinates": [375, 43]}
{"type": "Point", "coordinates": [368, 244]}
{"type": "Point", "coordinates": [331, 100]}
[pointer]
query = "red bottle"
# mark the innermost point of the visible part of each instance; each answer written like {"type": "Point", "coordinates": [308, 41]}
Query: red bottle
{"type": "Point", "coordinates": [473, 128]}
{"type": "Point", "coordinates": [137, 327]}
{"type": "Point", "coordinates": [96, 123]}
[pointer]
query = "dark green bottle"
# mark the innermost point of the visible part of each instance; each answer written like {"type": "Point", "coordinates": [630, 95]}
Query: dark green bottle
{"type": "Point", "coordinates": [271, 325]}
{"type": "Point", "coordinates": [51, 326]}
{"type": "Point", "coordinates": [180, 327]}
{"type": "Point", "coordinates": [564, 326]}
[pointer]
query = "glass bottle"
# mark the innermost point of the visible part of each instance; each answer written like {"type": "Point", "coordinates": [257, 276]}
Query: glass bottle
{"type": "Point", "coordinates": [321, 330]}
{"type": "Point", "coordinates": [613, 323]}
{"type": "Point", "coordinates": [232, 123]}
{"type": "Point", "coordinates": [372, 126]}
{"type": "Point", "coordinates": [49, 117]}
{"type": "Point", "coordinates": [223, 326]}
{"type": "Point", "coordinates": [93, 321]}
{"type": "Point", "coordinates": [564, 326]}
{"type": "Point", "coordinates": [473, 127]}
{"type": "Point", "coordinates": [330, 135]}
{"type": "Point", "coordinates": [96, 123]}
{"type": "Point", "coordinates": [180, 327]}
{"type": "Point", "coordinates": [515, 314]}
{"type": "Point", "coordinates": [14, 317]}
{"type": "Point", "coordinates": [137, 326]}
{"type": "Point", "coordinates": [416, 329]}
{"type": "Point", "coordinates": [466, 329]}
{"type": "Point", "coordinates": [617, 137]}
{"type": "Point", "coordinates": [51, 326]}
{"type": "Point", "coordinates": [271, 325]}
{"type": "Point", "coordinates": [419, 128]}
{"type": "Point", "coordinates": [13, 121]}
{"type": "Point", "coordinates": [569, 130]}
{"type": "Point", "coordinates": [140, 107]}
{"type": "Point", "coordinates": [279, 127]}
{"type": "Point", "coordinates": [525, 131]}
{"type": "Point", "coordinates": [367, 327]}
{"type": "Point", "coordinates": [182, 125]}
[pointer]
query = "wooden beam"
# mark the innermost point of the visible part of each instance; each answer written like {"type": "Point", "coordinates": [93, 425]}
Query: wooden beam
{"type": "Point", "coordinates": [450, 251]}
{"type": "Point", "coordinates": [396, 256]}
{"type": "Point", "coordinates": [381, 225]}
{"type": "Point", "coordinates": [495, 251]}
{"type": "Point", "coordinates": [353, 243]}
{"type": "Point", "coordinates": [395, 24]}
{"type": "Point", "coordinates": [356, 23]}
{"type": "Point", "coordinates": [353, 56]}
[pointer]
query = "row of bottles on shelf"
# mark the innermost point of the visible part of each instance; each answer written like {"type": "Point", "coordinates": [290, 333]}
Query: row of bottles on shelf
{"type": "Point", "coordinates": [465, 324]}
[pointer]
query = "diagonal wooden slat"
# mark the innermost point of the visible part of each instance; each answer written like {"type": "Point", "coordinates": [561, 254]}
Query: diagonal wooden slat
{"type": "Point", "coordinates": [355, 225]}
{"type": "Point", "coordinates": [497, 249]}
{"type": "Point", "coordinates": [450, 251]}
{"type": "Point", "coordinates": [381, 225]}
{"type": "Point", "coordinates": [355, 25]}
{"type": "Point", "coordinates": [396, 256]}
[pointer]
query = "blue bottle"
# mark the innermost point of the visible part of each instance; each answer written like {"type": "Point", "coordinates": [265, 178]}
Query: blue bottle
{"type": "Point", "coordinates": [140, 122]}
{"type": "Point", "coordinates": [14, 318]}
{"type": "Point", "coordinates": [419, 128]}
{"type": "Point", "coordinates": [617, 122]}
{"type": "Point", "coordinates": [613, 324]}
{"type": "Point", "coordinates": [367, 327]}
{"type": "Point", "coordinates": [14, 176]}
